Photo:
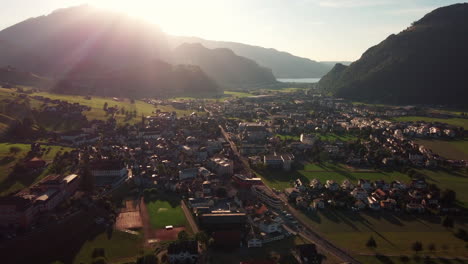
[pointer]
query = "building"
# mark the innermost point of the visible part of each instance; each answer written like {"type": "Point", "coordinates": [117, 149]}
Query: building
{"type": "Point", "coordinates": [308, 139]}
{"type": "Point", "coordinates": [246, 182]}
{"type": "Point", "coordinates": [266, 196]}
{"type": "Point", "coordinates": [188, 173]}
{"type": "Point", "coordinates": [21, 209]}
{"type": "Point", "coordinates": [283, 161]}
{"type": "Point", "coordinates": [222, 166]}
{"type": "Point", "coordinates": [183, 252]}
{"type": "Point", "coordinates": [108, 172]}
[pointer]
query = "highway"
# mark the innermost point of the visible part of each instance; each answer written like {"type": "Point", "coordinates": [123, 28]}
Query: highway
{"type": "Point", "coordinates": [307, 231]}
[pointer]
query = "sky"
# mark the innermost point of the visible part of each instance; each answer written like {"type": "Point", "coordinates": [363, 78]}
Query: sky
{"type": "Point", "coordinates": [323, 30]}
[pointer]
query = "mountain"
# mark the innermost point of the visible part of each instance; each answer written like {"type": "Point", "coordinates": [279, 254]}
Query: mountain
{"type": "Point", "coordinates": [53, 45]}
{"type": "Point", "coordinates": [283, 64]}
{"type": "Point", "coordinates": [93, 43]}
{"type": "Point", "coordinates": [227, 68]}
{"type": "Point", "coordinates": [156, 78]}
{"type": "Point", "coordinates": [424, 64]}
{"type": "Point", "coordinates": [12, 76]}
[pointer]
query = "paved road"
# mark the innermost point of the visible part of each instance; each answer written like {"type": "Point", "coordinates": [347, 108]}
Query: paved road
{"type": "Point", "coordinates": [189, 217]}
{"type": "Point", "coordinates": [308, 232]}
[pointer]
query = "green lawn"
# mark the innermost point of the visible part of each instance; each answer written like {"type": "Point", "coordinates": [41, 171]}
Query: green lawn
{"type": "Point", "coordinates": [324, 171]}
{"type": "Point", "coordinates": [166, 211]}
{"type": "Point", "coordinates": [8, 160]}
{"type": "Point", "coordinates": [237, 94]}
{"type": "Point", "coordinates": [179, 112]}
{"type": "Point", "coordinates": [119, 246]}
{"type": "Point", "coordinates": [288, 137]}
{"type": "Point", "coordinates": [450, 149]}
{"type": "Point", "coordinates": [461, 122]}
{"type": "Point", "coordinates": [97, 103]}
{"type": "Point", "coordinates": [394, 233]}
{"type": "Point", "coordinates": [332, 137]}
{"type": "Point", "coordinates": [413, 259]}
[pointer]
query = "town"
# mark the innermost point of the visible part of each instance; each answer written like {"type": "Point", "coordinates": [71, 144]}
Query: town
{"type": "Point", "coordinates": [238, 173]}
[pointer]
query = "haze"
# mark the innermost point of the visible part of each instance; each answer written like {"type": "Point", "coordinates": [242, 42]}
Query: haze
{"type": "Point", "coordinates": [317, 29]}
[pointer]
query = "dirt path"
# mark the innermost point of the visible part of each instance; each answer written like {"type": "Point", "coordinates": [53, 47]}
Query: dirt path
{"type": "Point", "coordinates": [146, 225]}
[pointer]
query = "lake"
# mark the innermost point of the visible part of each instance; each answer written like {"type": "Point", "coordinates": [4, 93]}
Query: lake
{"type": "Point", "coordinates": [299, 80]}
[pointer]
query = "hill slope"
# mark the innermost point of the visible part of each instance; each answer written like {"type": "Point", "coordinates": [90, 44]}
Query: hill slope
{"type": "Point", "coordinates": [283, 64]}
{"type": "Point", "coordinates": [227, 68]}
{"type": "Point", "coordinates": [425, 63]}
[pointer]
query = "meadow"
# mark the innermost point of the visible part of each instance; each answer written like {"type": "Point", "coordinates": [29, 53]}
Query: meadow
{"type": "Point", "coordinates": [117, 247]}
{"type": "Point", "coordinates": [8, 159]}
{"type": "Point", "coordinates": [460, 122]}
{"type": "Point", "coordinates": [450, 149]}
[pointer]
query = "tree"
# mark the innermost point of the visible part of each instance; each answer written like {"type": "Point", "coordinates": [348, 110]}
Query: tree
{"type": "Point", "coordinates": [404, 259]}
{"type": "Point", "coordinates": [87, 179]}
{"type": "Point", "coordinates": [448, 222]}
{"type": "Point", "coordinates": [148, 259]}
{"type": "Point", "coordinates": [431, 247]}
{"type": "Point", "coordinates": [202, 237]}
{"type": "Point", "coordinates": [15, 150]}
{"type": "Point", "coordinates": [105, 106]}
{"type": "Point", "coordinates": [417, 246]}
{"type": "Point", "coordinates": [462, 234]}
{"type": "Point", "coordinates": [182, 236]}
{"type": "Point", "coordinates": [448, 196]}
{"type": "Point", "coordinates": [371, 243]}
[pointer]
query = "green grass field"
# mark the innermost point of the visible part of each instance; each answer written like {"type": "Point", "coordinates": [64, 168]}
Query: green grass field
{"type": "Point", "coordinates": [120, 246]}
{"type": "Point", "coordinates": [97, 103]}
{"type": "Point", "coordinates": [166, 211]}
{"type": "Point", "coordinates": [450, 149]}
{"type": "Point", "coordinates": [461, 122]}
{"type": "Point", "coordinates": [324, 171]}
{"type": "Point", "coordinates": [394, 233]}
{"type": "Point", "coordinates": [8, 160]}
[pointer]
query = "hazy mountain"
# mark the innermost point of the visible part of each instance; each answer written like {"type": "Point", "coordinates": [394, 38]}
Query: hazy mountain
{"type": "Point", "coordinates": [90, 42]}
{"type": "Point", "coordinates": [156, 78]}
{"type": "Point", "coordinates": [426, 63]}
{"type": "Point", "coordinates": [224, 66]}
{"type": "Point", "coordinates": [332, 63]}
{"type": "Point", "coordinates": [53, 45]}
{"type": "Point", "coordinates": [12, 76]}
{"type": "Point", "coordinates": [283, 64]}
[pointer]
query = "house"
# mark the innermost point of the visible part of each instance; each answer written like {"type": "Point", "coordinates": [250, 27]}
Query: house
{"type": "Point", "coordinates": [373, 203]}
{"type": "Point", "coordinates": [415, 208]}
{"type": "Point", "coordinates": [359, 204]}
{"type": "Point", "coordinates": [381, 184]}
{"type": "Point", "coordinates": [292, 193]}
{"type": "Point", "coordinates": [189, 173]}
{"type": "Point", "coordinates": [254, 243]}
{"type": "Point", "coordinates": [316, 184]}
{"type": "Point", "coordinates": [388, 204]}
{"type": "Point", "coordinates": [380, 194]}
{"type": "Point", "coordinates": [35, 163]}
{"type": "Point", "coordinates": [419, 184]}
{"type": "Point", "coordinates": [308, 139]}
{"type": "Point", "coordinates": [359, 193]}
{"type": "Point", "coordinates": [365, 184]}
{"type": "Point", "coordinates": [332, 185]}
{"type": "Point", "coordinates": [183, 252]}
{"type": "Point", "coordinates": [268, 226]}
{"type": "Point", "coordinates": [318, 203]}
{"type": "Point", "coordinates": [347, 185]}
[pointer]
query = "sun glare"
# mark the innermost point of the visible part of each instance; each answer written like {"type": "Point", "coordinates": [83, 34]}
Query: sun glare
{"type": "Point", "coordinates": [177, 17]}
